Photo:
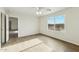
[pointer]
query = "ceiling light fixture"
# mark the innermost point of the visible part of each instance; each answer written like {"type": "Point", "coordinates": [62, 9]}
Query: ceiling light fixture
{"type": "Point", "coordinates": [38, 12]}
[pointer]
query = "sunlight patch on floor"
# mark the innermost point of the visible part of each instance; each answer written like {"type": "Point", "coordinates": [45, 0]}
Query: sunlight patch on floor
{"type": "Point", "coordinates": [33, 45]}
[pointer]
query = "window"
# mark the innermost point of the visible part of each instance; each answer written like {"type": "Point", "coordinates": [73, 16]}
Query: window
{"type": "Point", "coordinates": [56, 23]}
{"type": "Point", "coordinates": [51, 23]}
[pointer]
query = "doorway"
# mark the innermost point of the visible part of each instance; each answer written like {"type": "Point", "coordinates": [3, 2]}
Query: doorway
{"type": "Point", "coordinates": [13, 27]}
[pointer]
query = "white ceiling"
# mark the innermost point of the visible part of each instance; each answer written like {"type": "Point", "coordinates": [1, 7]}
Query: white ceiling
{"type": "Point", "coordinates": [33, 10]}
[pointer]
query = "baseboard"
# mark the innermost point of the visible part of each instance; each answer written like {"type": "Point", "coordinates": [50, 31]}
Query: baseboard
{"type": "Point", "coordinates": [50, 37]}
{"type": "Point", "coordinates": [59, 39]}
{"type": "Point", "coordinates": [29, 35]}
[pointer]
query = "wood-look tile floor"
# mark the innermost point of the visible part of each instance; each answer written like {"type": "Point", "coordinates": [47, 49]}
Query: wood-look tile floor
{"type": "Point", "coordinates": [56, 45]}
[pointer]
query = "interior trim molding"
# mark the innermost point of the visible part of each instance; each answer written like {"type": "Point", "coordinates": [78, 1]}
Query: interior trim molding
{"type": "Point", "coordinates": [58, 39]}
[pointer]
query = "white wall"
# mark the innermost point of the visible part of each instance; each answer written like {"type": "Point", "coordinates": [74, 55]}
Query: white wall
{"type": "Point", "coordinates": [27, 24]}
{"type": "Point", "coordinates": [71, 33]}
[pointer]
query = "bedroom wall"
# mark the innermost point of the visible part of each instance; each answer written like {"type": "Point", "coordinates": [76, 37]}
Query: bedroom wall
{"type": "Point", "coordinates": [71, 32]}
{"type": "Point", "coordinates": [27, 24]}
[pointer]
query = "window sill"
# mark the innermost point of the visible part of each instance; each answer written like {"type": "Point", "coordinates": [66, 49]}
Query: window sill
{"type": "Point", "coordinates": [57, 31]}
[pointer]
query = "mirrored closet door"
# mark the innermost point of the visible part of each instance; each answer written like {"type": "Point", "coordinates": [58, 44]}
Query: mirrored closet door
{"type": "Point", "coordinates": [3, 17]}
{"type": "Point", "coordinates": [3, 29]}
{"type": "Point", "coordinates": [0, 30]}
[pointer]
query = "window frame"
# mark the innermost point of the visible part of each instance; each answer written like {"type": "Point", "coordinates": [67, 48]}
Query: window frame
{"type": "Point", "coordinates": [54, 24]}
